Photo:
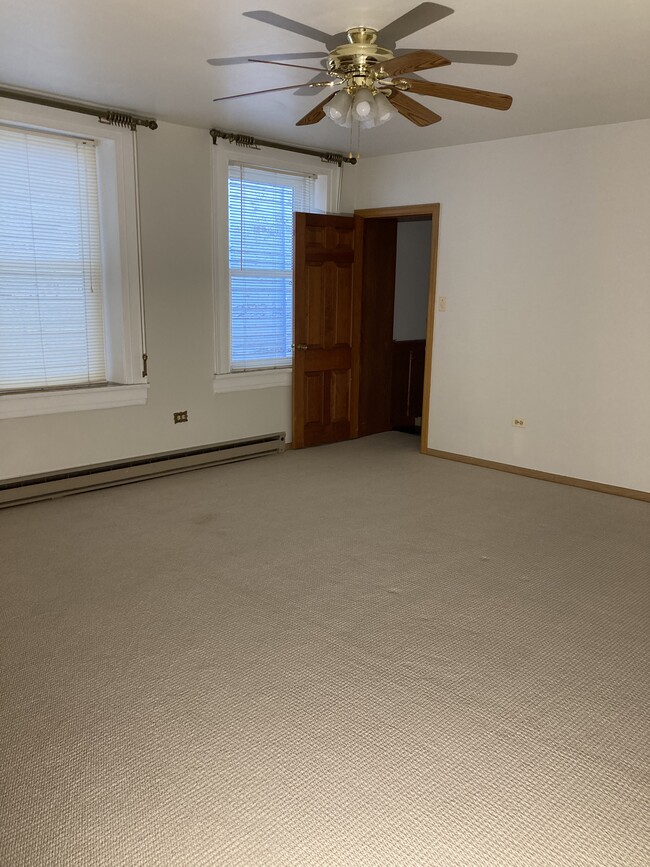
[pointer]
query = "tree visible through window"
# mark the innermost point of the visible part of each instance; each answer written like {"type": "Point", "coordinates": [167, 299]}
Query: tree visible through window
{"type": "Point", "coordinates": [261, 205]}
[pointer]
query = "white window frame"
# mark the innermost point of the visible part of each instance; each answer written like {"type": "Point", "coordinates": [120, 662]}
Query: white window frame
{"type": "Point", "coordinates": [326, 201]}
{"type": "Point", "coordinates": [123, 304]}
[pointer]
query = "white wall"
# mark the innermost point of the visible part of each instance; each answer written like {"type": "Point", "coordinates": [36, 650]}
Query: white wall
{"type": "Point", "coordinates": [175, 195]}
{"type": "Point", "coordinates": [544, 258]}
{"type": "Point", "coordinates": [412, 280]}
{"type": "Point", "coordinates": [545, 262]}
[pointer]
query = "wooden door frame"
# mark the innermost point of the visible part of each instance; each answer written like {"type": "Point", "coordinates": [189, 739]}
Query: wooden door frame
{"type": "Point", "coordinates": [402, 211]}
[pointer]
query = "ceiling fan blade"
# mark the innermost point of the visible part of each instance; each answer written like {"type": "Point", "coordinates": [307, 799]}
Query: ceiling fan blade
{"type": "Point", "coordinates": [255, 92]}
{"type": "Point", "coordinates": [289, 24]}
{"type": "Point", "coordinates": [278, 63]}
{"type": "Point", "coordinates": [229, 61]}
{"type": "Point", "coordinates": [419, 17]}
{"type": "Point", "coordinates": [315, 114]}
{"type": "Point", "coordinates": [485, 98]}
{"type": "Point", "coordinates": [412, 110]}
{"type": "Point", "coordinates": [413, 62]}
{"type": "Point", "coordinates": [487, 58]}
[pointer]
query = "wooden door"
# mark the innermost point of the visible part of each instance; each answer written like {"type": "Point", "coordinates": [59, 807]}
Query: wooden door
{"type": "Point", "coordinates": [326, 331]}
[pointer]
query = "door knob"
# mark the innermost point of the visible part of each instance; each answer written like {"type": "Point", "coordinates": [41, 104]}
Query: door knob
{"type": "Point", "coordinates": [299, 346]}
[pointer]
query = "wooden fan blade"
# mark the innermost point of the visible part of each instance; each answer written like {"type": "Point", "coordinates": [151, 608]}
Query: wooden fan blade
{"type": "Point", "coordinates": [485, 98]}
{"type": "Point", "coordinates": [255, 92]}
{"type": "Point", "coordinates": [316, 113]}
{"type": "Point", "coordinates": [412, 110]}
{"type": "Point", "coordinates": [292, 65]}
{"type": "Point", "coordinates": [413, 63]}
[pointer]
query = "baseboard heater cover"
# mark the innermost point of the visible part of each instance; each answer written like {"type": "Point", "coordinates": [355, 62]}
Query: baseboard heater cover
{"type": "Point", "coordinates": [45, 486]}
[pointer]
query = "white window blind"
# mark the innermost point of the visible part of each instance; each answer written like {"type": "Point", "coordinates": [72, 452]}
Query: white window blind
{"type": "Point", "coordinates": [261, 204]}
{"type": "Point", "coordinates": [51, 294]}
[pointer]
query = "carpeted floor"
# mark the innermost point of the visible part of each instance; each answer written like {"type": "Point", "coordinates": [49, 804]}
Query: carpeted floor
{"type": "Point", "coordinates": [351, 656]}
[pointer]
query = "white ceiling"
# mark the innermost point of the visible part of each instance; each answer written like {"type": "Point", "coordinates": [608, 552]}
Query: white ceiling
{"type": "Point", "coordinates": [581, 63]}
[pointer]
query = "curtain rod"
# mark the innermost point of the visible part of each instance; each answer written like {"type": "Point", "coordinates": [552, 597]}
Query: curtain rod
{"type": "Point", "coordinates": [105, 115]}
{"type": "Point", "coordinates": [247, 141]}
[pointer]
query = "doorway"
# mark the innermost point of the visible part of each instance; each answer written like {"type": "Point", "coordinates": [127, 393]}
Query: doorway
{"type": "Point", "coordinates": [396, 262]}
{"type": "Point", "coordinates": [344, 361]}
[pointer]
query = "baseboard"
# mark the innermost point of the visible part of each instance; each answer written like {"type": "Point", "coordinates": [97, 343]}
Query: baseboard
{"type": "Point", "coordinates": [631, 493]}
{"type": "Point", "coordinates": [75, 480]}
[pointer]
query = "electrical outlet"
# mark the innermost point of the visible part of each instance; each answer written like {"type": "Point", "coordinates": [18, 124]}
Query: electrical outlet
{"type": "Point", "coordinates": [442, 303]}
{"type": "Point", "coordinates": [519, 422]}
{"type": "Point", "coordinates": [180, 416]}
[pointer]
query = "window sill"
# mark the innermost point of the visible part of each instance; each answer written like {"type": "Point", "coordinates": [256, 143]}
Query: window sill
{"type": "Point", "coordinates": [250, 379]}
{"type": "Point", "coordinates": [71, 400]}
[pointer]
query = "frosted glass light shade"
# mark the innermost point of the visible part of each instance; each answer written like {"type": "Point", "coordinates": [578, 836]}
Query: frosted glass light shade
{"type": "Point", "coordinates": [338, 107]}
{"type": "Point", "coordinates": [385, 110]}
{"type": "Point", "coordinates": [363, 106]}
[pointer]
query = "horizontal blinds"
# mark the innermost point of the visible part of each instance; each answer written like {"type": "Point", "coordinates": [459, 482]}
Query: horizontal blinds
{"type": "Point", "coordinates": [51, 293]}
{"type": "Point", "coordinates": [261, 204]}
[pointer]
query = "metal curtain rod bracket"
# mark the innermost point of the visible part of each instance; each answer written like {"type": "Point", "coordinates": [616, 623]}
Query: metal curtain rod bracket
{"type": "Point", "coordinates": [247, 141]}
{"type": "Point", "coordinates": [104, 115]}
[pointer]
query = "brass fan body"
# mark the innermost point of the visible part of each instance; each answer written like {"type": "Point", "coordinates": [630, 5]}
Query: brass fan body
{"type": "Point", "coordinates": [358, 63]}
{"type": "Point", "coordinates": [359, 58]}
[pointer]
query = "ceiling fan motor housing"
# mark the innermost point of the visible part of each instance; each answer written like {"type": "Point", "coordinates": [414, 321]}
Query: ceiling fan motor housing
{"type": "Point", "coordinates": [354, 62]}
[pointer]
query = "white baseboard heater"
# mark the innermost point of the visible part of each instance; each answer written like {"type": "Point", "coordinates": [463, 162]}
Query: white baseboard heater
{"type": "Point", "coordinates": [45, 486]}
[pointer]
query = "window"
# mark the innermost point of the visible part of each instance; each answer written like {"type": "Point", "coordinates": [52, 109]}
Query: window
{"type": "Point", "coordinates": [261, 205]}
{"type": "Point", "coordinates": [71, 331]}
{"type": "Point", "coordinates": [253, 212]}
{"type": "Point", "coordinates": [51, 293]}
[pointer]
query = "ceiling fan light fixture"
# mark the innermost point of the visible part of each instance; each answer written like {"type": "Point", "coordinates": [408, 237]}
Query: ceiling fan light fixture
{"type": "Point", "coordinates": [364, 106]}
{"type": "Point", "coordinates": [347, 120]}
{"type": "Point", "coordinates": [339, 107]}
{"type": "Point", "coordinates": [384, 109]}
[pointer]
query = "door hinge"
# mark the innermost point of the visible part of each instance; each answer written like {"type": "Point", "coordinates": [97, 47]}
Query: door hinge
{"type": "Point", "coordinates": [145, 358]}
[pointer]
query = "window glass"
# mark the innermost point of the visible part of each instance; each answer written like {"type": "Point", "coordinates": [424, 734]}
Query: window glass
{"type": "Point", "coordinates": [261, 205]}
{"type": "Point", "coordinates": [51, 276]}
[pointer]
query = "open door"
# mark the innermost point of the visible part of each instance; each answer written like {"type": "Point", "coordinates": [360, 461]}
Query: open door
{"type": "Point", "coordinates": [326, 331]}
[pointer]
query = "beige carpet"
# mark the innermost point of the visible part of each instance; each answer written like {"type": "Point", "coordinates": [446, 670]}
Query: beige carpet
{"type": "Point", "coordinates": [352, 655]}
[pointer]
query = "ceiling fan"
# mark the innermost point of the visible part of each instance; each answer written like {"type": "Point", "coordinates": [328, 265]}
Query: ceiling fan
{"type": "Point", "coordinates": [364, 71]}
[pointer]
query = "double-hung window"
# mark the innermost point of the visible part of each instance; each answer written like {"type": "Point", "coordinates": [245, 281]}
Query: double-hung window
{"type": "Point", "coordinates": [261, 205]}
{"type": "Point", "coordinates": [70, 307]}
{"type": "Point", "coordinates": [51, 281]}
{"type": "Point", "coordinates": [254, 213]}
